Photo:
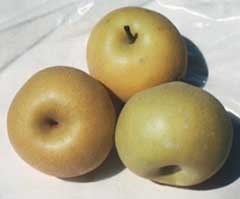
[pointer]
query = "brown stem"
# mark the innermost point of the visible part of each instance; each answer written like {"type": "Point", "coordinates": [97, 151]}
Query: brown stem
{"type": "Point", "coordinates": [131, 38]}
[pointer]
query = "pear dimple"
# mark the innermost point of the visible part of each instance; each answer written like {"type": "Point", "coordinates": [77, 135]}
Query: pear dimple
{"type": "Point", "coordinates": [51, 123]}
{"type": "Point", "coordinates": [169, 170]}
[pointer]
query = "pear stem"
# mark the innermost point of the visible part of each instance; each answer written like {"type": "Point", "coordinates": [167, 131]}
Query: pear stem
{"type": "Point", "coordinates": [131, 38]}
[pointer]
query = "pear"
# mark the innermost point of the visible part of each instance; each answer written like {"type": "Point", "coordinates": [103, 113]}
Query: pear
{"type": "Point", "coordinates": [62, 122]}
{"type": "Point", "coordinates": [175, 134]}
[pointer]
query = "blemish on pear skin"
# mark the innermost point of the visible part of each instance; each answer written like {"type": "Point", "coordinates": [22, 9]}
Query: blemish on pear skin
{"type": "Point", "coordinates": [108, 21]}
{"type": "Point", "coordinates": [160, 29]}
{"type": "Point", "coordinates": [141, 60]}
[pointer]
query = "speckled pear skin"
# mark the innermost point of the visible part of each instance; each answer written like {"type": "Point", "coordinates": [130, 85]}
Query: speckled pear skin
{"type": "Point", "coordinates": [175, 134]}
{"type": "Point", "coordinates": [157, 55]}
{"type": "Point", "coordinates": [62, 122]}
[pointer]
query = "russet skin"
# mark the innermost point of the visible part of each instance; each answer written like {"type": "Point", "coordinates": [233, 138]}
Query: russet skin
{"type": "Point", "coordinates": [174, 134]}
{"type": "Point", "coordinates": [131, 49]}
{"type": "Point", "coordinates": [62, 122]}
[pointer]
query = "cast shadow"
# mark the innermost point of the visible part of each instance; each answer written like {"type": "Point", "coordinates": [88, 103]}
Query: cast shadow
{"type": "Point", "coordinates": [110, 167]}
{"type": "Point", "coordinates": [197, 70]}
{"type": "Point", "coordinates": [117, 102]}
{"type": "Point", "coordinates": [230, 171]}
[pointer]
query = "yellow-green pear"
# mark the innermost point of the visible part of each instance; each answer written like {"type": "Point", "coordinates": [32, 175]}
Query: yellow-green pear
{"type": "Point", "coordinates": [174, 134]}
{"type": "Point", "coordinates": [131, 49]}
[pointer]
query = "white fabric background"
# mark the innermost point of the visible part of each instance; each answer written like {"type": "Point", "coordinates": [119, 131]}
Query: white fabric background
{"type": "Point", "coordinates": [37, 34]}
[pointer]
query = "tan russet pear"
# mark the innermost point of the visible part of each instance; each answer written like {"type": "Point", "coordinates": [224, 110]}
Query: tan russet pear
{"type": "Point", "coordinates": [62, 122]}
